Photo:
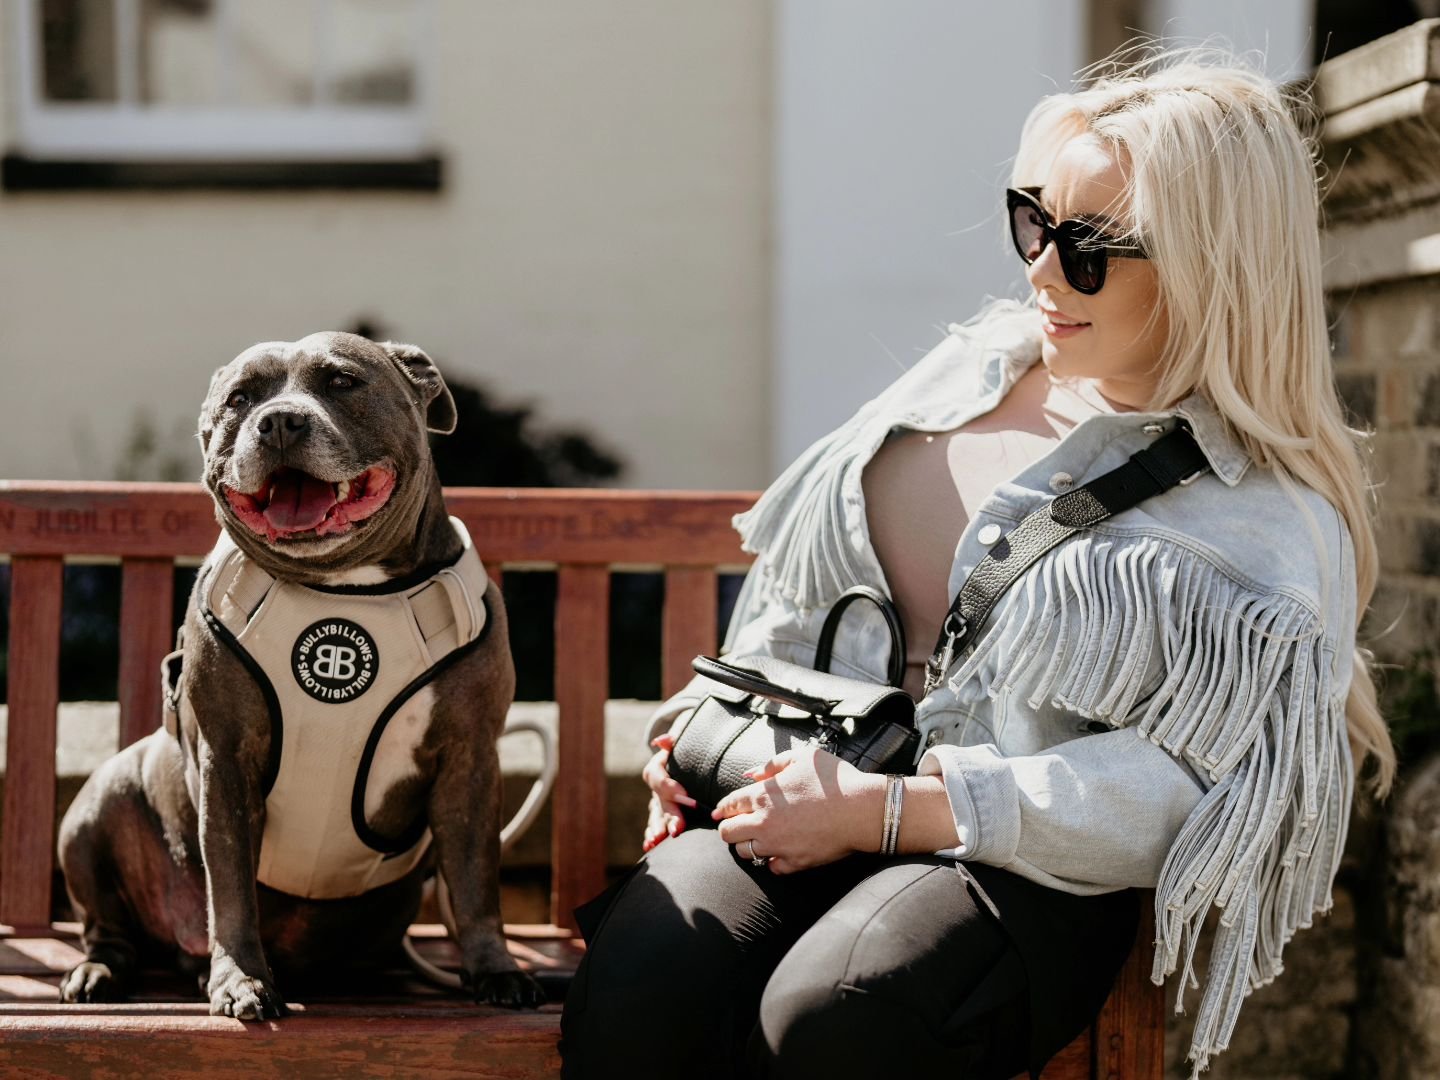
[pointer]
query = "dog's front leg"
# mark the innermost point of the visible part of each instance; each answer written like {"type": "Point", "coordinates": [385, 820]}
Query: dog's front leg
{"type": "Point", "coordinates": [232, 816]}
{"type": "Point", "coordinates": [465, 811]}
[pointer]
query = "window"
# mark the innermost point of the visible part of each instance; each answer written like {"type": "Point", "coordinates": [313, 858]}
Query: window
{"type": "Point", "coordinates": [221, 83]}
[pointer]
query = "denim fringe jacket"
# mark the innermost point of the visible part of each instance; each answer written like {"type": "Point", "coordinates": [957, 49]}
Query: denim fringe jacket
{"type": "Point", "coordinates": [1157, 702]}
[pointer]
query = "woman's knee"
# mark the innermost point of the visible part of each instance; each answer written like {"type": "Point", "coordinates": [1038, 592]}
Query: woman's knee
{"type": "Point", "coordinates": [876, 982]}
{"type": "Point", "coordinates": [816, 1028]}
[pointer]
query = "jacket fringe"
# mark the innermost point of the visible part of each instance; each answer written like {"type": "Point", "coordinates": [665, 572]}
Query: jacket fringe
{"type": "Point", "coordinates": [802, 526]}
{"type": "Point", "coordinates": [1243, 689]}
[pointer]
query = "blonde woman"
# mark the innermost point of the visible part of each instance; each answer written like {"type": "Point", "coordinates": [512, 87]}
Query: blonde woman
{"type": "Point", "coordinates": [1173, 700]}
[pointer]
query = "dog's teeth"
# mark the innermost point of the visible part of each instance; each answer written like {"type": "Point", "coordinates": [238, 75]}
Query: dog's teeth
{"type": "Point", "coordinates": [343, 490]}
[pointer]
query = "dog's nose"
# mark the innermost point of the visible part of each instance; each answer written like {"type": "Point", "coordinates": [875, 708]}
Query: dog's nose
{"type": "Point", "coordinates": [279, 429]}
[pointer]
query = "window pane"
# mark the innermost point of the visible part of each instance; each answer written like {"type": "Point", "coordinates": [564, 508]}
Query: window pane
{"type": "Point", "coordinates": [372, 52]}
{"type": "Point", "coordinates": [271, 52]}
{"type": "Point", "coordinates": [78, 45]}
{"type": "Point", "coordinates": [178, 55]}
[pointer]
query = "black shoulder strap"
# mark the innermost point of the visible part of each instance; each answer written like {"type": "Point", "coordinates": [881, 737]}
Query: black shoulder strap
{"type": "Point", "coordinates": [1175, 458]}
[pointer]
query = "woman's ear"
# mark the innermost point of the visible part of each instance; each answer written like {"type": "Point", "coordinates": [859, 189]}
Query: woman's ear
{"type": "Point", "coordinates": [420, 370]}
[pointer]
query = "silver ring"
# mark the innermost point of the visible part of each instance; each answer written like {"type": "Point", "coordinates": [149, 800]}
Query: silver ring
{"type": "Point", "coordinates": [756, 860]}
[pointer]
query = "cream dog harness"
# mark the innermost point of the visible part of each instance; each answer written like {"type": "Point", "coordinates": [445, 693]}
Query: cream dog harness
{"type": "Point", "coordinates": [345, 672]}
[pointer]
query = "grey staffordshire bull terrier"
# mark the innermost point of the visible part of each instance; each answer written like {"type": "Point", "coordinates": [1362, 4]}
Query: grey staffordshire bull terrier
{"type": "Point", "coordinates": [316, 455]}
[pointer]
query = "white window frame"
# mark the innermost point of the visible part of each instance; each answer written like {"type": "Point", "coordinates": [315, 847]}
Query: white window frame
{"type": "Point", "coordinates": [127, 130]}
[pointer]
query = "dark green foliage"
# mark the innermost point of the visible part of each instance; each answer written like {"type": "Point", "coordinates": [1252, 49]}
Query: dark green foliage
{"type": "Point", "coordinates": [1410, 701]}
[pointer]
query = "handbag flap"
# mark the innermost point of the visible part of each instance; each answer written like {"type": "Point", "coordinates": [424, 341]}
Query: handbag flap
{"type": "Point", "coordinates": [854, 697]}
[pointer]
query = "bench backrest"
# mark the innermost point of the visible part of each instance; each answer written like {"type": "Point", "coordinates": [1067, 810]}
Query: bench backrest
{"type": "Point", "coordinates": [582, 534]}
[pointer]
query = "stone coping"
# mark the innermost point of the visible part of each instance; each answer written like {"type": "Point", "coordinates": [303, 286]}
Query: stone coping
{"type": "Point", "coordinates": [1379, 67]}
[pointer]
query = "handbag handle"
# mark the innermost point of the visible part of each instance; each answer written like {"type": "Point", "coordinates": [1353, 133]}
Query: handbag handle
{"type": "Point", "coordinates": [825, 646]}
{"type": "Point", "coordinates": [753, 683]}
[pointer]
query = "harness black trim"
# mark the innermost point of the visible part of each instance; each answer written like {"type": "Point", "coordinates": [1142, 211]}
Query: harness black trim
{"type": "Point", "coordinates": [412, 834]}
{"type": "Point", "coordinates": [267, 689]}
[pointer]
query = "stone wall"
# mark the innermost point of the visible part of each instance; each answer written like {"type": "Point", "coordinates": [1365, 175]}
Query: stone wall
{"type": "Point", "coordinates": [1398, 1023]}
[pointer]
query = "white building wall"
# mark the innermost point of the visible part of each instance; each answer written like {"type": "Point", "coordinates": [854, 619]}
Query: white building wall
{"type": "Point", "coordinates": [895, 126]}
{"type": "Point", "coordinates": [1283, 31]}
{"type": "Point", "coordinates": [600, 250]}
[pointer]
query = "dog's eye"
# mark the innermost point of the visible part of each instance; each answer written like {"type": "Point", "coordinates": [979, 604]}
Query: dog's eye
{"type": "Point", "coordinates": [238, 400]}
{"type": "Point", "coordinates": [341, 381]}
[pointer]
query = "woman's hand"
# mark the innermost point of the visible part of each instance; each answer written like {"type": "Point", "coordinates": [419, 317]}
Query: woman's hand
{"type": "Point", "coordinates": [806, 808]}
{"type": "Point", "coordinates": [666, 797]}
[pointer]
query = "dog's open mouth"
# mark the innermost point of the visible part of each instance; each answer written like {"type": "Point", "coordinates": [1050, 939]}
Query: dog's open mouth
{"type": "Point", "coordinates": [295, 505]}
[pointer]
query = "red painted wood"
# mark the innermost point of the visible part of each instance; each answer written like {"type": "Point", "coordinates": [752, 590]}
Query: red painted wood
{"type": "Point", "coordinates": [554, 525]}
{"type": "Point", "coordinates": [27, 839]}
{"type": "Point", "coordinates": [582, 620]}
{"type": "Point", "coordinates": [688, 624]}
{"type": "Point", "coordinates": [1073, 1062]}
{"type": "Point", "coordinates": [147, 592]}
{"type": "Point", "coordinates": [1129, 1039]}
{"type": "Point", "coordinates": [183, 1041]}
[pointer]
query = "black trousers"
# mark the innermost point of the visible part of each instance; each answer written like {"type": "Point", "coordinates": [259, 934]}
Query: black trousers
{"type": "Point", "coordinates": [701, 965]}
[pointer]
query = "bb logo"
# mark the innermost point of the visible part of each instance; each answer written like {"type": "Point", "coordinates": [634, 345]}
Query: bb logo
{"type": "Point", "coordinates": [335, 660]}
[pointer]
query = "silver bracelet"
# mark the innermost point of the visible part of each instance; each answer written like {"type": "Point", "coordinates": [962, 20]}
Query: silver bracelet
{"type": "Point", "coordinates": [894, 800]}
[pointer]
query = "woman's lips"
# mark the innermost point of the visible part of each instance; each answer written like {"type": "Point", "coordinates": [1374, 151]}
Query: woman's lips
{"type": "Point", "coordinates": [1061, 330]}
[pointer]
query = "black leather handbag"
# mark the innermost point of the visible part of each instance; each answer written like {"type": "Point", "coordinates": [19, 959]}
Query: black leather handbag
{"type": "Point", "coordinates": [759, 706]}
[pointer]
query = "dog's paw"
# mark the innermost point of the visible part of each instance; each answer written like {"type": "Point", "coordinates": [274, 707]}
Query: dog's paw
{"type": "Point", "coordinates": [245, 997]}
{"type": "Point", "coordinates": [510, 989]}
{"type": "Point", "coordinates": [89, 983]}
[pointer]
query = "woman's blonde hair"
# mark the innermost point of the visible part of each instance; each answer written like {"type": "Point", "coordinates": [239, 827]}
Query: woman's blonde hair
{"type": "Point", "coordinates": [1223, 190]}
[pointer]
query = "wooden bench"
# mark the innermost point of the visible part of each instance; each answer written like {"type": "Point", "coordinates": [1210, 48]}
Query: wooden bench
{"type": "Point", "coordinates": [400, 1024]}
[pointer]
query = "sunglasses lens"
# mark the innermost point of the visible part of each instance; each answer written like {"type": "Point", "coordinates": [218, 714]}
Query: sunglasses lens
{"type": "Point", "coordinates": [1084, 269]}
{"type": "Point", "coordinates": [1028, 230]}
{"type": "Point", "coordinates": [1081, 251]}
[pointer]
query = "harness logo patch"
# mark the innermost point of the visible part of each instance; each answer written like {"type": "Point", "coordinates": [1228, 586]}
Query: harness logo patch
{"type": "Point", "coordinates": [335, 660]}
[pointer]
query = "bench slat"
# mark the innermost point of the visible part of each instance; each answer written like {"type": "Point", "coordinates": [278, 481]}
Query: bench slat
{"type": "Point", "coordinates": [688, 624]}
{"type": "Point", "coordinates": [1130, 1030]}
{"type": "Point", "coordinates": [548, 525]}
{"type": "Point", "coordinates": [27, 840]}
{"type": "Point", "coordinates": [582, 676]}
{"type": "Point", "coordinates": [147, 594]}
{"type": "Point", "coordinates": [319, 1041]}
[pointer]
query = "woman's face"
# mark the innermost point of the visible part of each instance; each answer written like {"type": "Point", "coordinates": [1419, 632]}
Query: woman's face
{"type": "Point", "coordinates": [1113, 347]}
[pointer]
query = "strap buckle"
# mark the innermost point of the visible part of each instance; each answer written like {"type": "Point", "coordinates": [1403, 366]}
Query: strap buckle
{"type": "Point", "coordinates": [1187, 481]}
{"type": "Point", "coordinates": [939, 664]}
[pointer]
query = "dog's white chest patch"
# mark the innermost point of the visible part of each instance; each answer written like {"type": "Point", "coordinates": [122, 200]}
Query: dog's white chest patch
{"type": "Point", "coordinates": [360, 575]}
{"type": "Point", "coordinates": [394, 761]}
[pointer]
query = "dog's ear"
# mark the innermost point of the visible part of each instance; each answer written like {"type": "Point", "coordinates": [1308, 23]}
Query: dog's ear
{"type": "Point", "coordinates": [421, 371]}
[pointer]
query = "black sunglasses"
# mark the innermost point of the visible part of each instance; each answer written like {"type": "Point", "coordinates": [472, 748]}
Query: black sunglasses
{"type": "Point", "coordinates": [1084, 250]}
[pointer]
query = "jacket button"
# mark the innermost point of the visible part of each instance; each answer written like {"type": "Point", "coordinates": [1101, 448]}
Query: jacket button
{"type": "Point", "coordinates": [1062, 481]}
{"type": "Point", "coordinates": [1154, 427]}
{"type": "Point", "coordinates": [988, 534]}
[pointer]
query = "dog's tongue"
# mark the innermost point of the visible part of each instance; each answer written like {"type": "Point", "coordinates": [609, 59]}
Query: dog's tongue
{"type": "Point", "coordinates": [298, 501]}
